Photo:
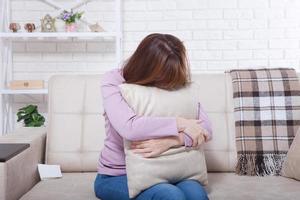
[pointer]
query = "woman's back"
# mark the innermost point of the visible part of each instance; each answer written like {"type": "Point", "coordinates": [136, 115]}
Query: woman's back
{"type": "Point", "coordinates": [160, 61]}
{"type": "Point", "coordinates": [112, 157]}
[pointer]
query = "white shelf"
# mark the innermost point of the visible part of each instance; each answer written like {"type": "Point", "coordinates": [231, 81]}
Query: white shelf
{"type": "Point", "coordinates": [57, 35]}
{"type": "Point", "coordinates": [32, 91]}
{"type": "Point", "coordinates": [7, 121]}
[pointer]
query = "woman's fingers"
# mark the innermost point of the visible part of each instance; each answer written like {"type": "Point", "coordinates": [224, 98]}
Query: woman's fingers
{"type": "Point", "coordinates": [149, 155]}
{"type": "Point", "coordinates": [146, 153]}
{"type": "Point", "coordinates": [205, 135]}
{"type": "Point", "coordinates": [152, 154]}
{"type": "Point", "coordinates": [141, 151]}
{"type": "Point", "coordinates": [200, 140]}
{"type": "Point", "coordinates": [138, 146]}
{"type": "Point", "coordinates": [195, 142]}
{"type": "Point", "coordinates": [138, 142]}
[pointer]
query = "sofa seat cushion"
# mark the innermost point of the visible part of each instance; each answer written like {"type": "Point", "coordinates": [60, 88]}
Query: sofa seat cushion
{"type": "Point", "coordinates": [75, 186]}
{"type": "Point", "coordinates": [235, 187]}
{"type": "Point", "coordinates": [221, 186]}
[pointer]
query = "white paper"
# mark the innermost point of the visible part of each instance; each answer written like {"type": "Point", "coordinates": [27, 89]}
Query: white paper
{"type": "Point", "coordinates": [49, 171]}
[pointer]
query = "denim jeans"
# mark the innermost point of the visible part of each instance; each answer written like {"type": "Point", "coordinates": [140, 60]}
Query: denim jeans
{"type": "Point", "coordinates": [115, 188]}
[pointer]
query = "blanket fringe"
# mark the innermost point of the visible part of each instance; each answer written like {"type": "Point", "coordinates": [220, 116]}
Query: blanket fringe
{"type": "Point", "coordinates": [253, 164]}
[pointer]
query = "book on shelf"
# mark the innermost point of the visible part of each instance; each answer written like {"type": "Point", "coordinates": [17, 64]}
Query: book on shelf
{"type": "Point", "coordinates": [26, 84]}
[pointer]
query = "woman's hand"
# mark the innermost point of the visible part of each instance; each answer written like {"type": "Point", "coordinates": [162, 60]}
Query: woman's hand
{"type": "Point", "coordinates": [192, 128]}
{"type": "Point", "coordinates": [155, 147]}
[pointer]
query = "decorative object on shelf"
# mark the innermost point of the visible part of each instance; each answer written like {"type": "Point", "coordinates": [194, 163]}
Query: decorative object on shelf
{"type": "Point", "coordinates": [14, 27]}
{"type": "Point", "coordinates": [70, 19]}
{"type": "Point", "coordinates": [60, 26]}
{"type": "Point", "coordinates": [31, 117]}
{"type": "Point", "coordinates": [96, 27]}
{"type": "Point", "coordinates": [26, 84]}
{"type": "Point", "coordinates": [72, 27]}
{"type": "Point", "coordinates": [29, 27]}
{"type": "Point", "coordinates": [48, 24]}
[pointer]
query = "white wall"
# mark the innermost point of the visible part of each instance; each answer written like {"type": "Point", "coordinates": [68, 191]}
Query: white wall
{"type": "Point", "coordinates": [218, 34]}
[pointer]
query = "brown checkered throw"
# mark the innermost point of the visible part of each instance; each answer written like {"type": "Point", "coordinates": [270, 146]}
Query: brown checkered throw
{"type": "Point", "coordinates": [267, 116]}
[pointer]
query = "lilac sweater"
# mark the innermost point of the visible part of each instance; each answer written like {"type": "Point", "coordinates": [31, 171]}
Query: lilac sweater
{"type": "Point", "coordinates": [121, 122]}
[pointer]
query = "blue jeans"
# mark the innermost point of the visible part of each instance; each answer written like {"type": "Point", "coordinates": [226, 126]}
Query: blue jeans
{"type": "Point", "coordinates": [115, 188]}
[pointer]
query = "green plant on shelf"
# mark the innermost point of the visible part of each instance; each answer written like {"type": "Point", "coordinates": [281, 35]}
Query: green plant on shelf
{"type": "Point", "coordinates": [30, 115]}
{"type": "Point", "coordinates": [70, 17]}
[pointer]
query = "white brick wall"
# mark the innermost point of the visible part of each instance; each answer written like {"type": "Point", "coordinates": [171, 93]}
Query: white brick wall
{"type": "Point", "coordinates": [230, 31]}
{"type": "Point", "coordinates": [218, 34]}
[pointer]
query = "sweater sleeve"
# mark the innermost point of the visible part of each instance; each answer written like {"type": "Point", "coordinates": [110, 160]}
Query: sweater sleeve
{"type": "Point", "coordinates": [206, 124]}
{"type": "Point", "coordinates": [124, 120]}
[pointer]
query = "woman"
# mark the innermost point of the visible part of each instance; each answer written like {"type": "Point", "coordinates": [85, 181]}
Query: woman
{"type": "Point", "coordinates": [160, 60]}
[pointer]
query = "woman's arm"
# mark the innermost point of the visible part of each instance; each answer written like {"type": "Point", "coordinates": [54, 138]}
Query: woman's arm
{"type": "Point", "coordinates": [206, 127]}
{"type": "Point", "coordinates": [123, 118]}
{"type": "Point", "coordinates": [155, 147]}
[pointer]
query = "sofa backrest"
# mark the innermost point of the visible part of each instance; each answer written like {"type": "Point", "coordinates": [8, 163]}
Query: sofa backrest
{"type": "Point", "coordinates": [76, 126]}
{"type": "Point", "coordinates": [75, 132]}
{"type": "Point", "coordinates": [216, 99]}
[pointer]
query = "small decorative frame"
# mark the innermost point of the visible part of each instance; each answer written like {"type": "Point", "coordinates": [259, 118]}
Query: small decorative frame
{"type": "Point", "coordinates": [48, 24]}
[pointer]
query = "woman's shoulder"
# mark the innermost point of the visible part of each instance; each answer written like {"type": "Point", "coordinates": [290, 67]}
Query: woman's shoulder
{"type": "Point", "coordinates": [112, 73]}
{"type": "Point", "coordinates": [113, 76]}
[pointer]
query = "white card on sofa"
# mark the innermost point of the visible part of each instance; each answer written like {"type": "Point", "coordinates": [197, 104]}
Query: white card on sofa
{"type": "Point", "coordinates": [49, 171]}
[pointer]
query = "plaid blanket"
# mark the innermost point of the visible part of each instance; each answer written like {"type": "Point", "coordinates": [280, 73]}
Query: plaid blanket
{"type": "Point", "coordinates": [267, 116]}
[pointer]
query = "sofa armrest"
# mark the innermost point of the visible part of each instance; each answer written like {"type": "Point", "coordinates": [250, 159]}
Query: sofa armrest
{"type": "Point", "coordinates": [19, 174]}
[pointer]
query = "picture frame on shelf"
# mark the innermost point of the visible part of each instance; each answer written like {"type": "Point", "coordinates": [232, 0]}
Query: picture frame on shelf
{"type": "Point", "coordinates": [48, 24]}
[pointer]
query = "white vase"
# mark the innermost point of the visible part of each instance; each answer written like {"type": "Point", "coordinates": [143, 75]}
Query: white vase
{"type": "Point", "coordinates": [60, 26]}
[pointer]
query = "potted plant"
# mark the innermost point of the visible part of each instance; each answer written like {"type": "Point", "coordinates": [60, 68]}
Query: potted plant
{"type": "Point", "coordinates": [70, 19]}
{"type": "Point", "coordinates": [30, 116]}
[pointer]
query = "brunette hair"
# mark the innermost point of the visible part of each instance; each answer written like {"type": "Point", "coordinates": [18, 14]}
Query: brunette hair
{"type": "Point", "coordinates": [160, 60]}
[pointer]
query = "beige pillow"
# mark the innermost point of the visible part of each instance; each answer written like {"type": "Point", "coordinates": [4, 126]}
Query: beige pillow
{"type": "Point", "coordinates": [291, 166]}
{"type": "Point", "coordinates": [175, 164]}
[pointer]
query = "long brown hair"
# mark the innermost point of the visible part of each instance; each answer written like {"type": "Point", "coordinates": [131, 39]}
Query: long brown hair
{"type": "Point", "coordinates": [160, 60]}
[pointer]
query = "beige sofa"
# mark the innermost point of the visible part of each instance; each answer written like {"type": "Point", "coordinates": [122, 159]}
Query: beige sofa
{"type": "Point", "coordinates": [75, 136]}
